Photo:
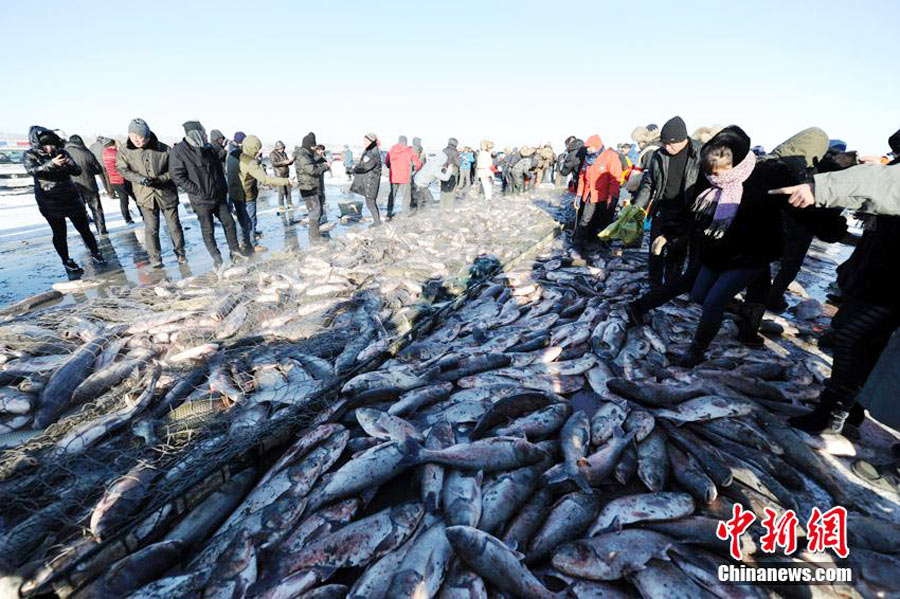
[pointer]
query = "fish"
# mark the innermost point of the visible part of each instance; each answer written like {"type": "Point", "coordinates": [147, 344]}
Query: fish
{"type": "Point", "coordinates": [489, 455]}
{"type": "Point", "coordinates": [575, 441]}
{"type": "Point", "coordinates": [653, 461]}
{"type": "Point", "coordinates": [645, 507]}
{"type": "Point", "coordinates": [440, 436]}
{"type": "Point", "coordinates": [422, 571]}
{"type": "Point", "coordinates": [661, 579]}
{"type": "Point", "coordinates": [707, 407]}
{"type": "Point", "coordinates": [461, 497]}
{"type": "Point", "coordinates": [382, 425]}
{"type": "Point", "coordinates": [611, 556]}
{"type": "Point", "coordinates": [609, 415]}
{"type": "Point", "coordinates": [569, 518]}
{"type": "Point", "coordinates": [501, 499]}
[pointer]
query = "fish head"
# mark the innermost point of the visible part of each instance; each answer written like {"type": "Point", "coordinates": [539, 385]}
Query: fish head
{"type": "Point", "coordinates": [407, 515]}
{"type": "Point", "coordinates": [466, 540]}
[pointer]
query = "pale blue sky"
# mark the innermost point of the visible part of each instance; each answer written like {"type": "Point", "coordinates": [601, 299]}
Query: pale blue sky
{"type": "Point", "coordinates": [516, 72]}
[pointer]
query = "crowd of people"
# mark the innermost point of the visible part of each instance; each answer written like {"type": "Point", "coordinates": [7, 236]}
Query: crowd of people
{"type": "Point", "coordinates": [721, 211]}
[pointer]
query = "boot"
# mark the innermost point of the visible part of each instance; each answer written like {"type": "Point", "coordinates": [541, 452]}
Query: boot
{"type": "Point", "coordinates": [635, 313]}
{"type": "Point", "coordinates": [696, 353]}
{"type": "Point", "coordinates": [830, 415]}
{"type": "Point", "coordinates": [748, 329]}
{"type": "Point", "coordinates": [72, 266]}
{"type": "Point", "coordinates": [99, 259]}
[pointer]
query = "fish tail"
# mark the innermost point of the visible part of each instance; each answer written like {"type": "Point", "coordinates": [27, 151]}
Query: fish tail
{"type": "Point", "coordinates": [412, 451]}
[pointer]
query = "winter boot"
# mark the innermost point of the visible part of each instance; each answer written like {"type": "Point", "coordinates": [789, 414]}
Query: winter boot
{"type": "Point", "coordinates": [696, 353]}
{"type": "Point", "coordinates": [830, 415]}
{"type": "Point", "coordinates": [635, 313]}
{"type": "Point", "coordinates": [748, 329]}
{"type": "Point", "coordinates": [72, 266]}
{"type": "Point", "coordinates": [99, 260]}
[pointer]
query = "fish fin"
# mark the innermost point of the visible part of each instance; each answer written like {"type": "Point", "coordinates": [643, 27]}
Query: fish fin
{"type": "Point", "coordinates": [555, 478]}
{"type": "Point", "coordinates": [582, 481]}
{"type": "Point", "coordinates": [616, 524]}
{"type": "Point", "coordinates": [412, 451]}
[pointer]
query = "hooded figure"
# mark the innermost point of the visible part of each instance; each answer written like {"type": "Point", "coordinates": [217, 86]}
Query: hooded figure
{"type": "Point", "coordinates": [96, 149]}
{"type": "Point", "coordinates": [281, 166]}
{"type": "Point", "coordinates": [367, 175]}
{"type": "Point", "coordinates": [250, 175]}
{"type": "Point", "coordinates": [86, 182]}
{"type": "Point", "coordinates": [310, 167]}
{"type": "Point", "coordinates": [195, 167]}
{"type": "Point", "coordinates": [598, 190]}
{"type": "Point", "coordinates": [57, 197]}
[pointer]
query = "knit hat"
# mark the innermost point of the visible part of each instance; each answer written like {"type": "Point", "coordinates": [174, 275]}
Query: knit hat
{"type": "Point", "coordinates": [139, 127]}
{"type": "Point", "coordinates": [371, 136]}
{"type": "Point", "coordinates": [50, 138]}
{"type": "Point", "coordinates": [401, 140]}
{"type": "Point", "coordinates": [594, 142]}
{"type": "Point", "coordinates": [279, 145]}
{"type": "Point", "coordinates": [195, 134]}
{"type": "Point", "coordinates": [309, 141]}
{"type": "Point", "coordinates": [452, 142]}
{"type": "Point", "coordinates": [239, 137]}
{"type": "Point", "coordinates": [417, 141]}
{"type": "Point", "coordinates": [673, 131]}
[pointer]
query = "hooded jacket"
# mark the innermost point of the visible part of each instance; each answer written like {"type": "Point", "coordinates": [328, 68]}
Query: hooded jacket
{"type": "Point", "coordinates": [802, 151]}
{"type": "Point", "coordinates": [86, 182]}
{"type": "Point", "coordinates": [54, 190]}
{"type": "Point", "coordinates": [433, 169]}
{"type": "Point", "coordinates": [574, 157]}
{"type": "Point", "coordinates": [674, 215]}
{"type": "Point", "coordinates": [280, 162]}
{"type": "Point", "coordinates": [310, 168]}
{"type": "Point", "coordinates": [198, 171]}
{"type": "Point", "coordinates": [251, 173]}
{"type": "Point", "coordinates": [152, 161]}
{"type": "Point", "coordinates": [599, 182]}
{"type": "Point", "coordinates": [400, 159]}
{"type": "Point", "coordinates": [368, 172]}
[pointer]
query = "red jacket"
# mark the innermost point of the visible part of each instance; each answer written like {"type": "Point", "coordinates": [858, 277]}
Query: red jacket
{"type": "Point", "coordinates": [399, 159]}
{"type": "Point", "coordinates": [599, 182]}
{"type": "Point", "coordinates": [109, 161]}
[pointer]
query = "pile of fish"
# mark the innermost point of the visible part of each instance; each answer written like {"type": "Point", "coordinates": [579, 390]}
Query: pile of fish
{"type": "Point", "coordinates": [528, 443]}
{"type": "Point", "coordinates": [188, 377]}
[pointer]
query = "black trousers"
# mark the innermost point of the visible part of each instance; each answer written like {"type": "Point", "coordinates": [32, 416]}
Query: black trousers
{"type": "Point", "coordinates": [372, 205]}
{"type": "Point", "coordinates": [92, 201]}
{"type": "Point", "coordinates": [243, 219]}
{"type": "Point", "coordinates": [797, 240]}
{"type": "Point", "coordinates": [205, 214]}
{"type": "Point", "coordinates": [80, 222]}
{"type": "Point", "coordinates": [669, 265]}
{"type": "Point", "coordinates": [658, 296]}
{"type": "Point", "coordinates": [861, 332]}
{"type": "Point", "coordinates": [591, 219]}
{"type": "Point", "coordinates": [123, 192]}
{"type": "Point", "coordinates": [151, 229]}
{"type": "Point", "coordinates": [314, 208]}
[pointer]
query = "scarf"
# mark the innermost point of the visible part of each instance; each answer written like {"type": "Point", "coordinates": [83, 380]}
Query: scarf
{"type": "Point", "coordinates": [724, 197]}
{"type": "Point", "coordinates": [591, 157]}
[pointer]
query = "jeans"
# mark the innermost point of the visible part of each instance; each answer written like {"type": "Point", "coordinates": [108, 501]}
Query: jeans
{"type": "Point", "coordinates": [313, 207]}
{"type": "Point", "coordinates": [465, 180]}
{"type": "Point", "coordinates": [80, 222]}
{"type": "Point", "coordinates": [713, 289]}
{"type": "Point", "coordinates": [151, 229]}
{"type": "Point", "coordinates": [92, 201]}
{"type": "Point", "coordinates": [122, 193]}
{"type": "Point", "coordinates": [592, 218]}
{"type": "Point", "coordinates": [251, 218]}
{"type": "Point", "coordinates": [284, 195]}
{"type": "Point", "coordinates": [205, 214]}
{"type": "Point", "coordinates": [243, 219]}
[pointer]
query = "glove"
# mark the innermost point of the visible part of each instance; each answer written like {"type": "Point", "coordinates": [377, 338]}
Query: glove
{"type": "Point", "coordinates": [658, 245]}
{"type": "Point", "coordinates": [149, 181]}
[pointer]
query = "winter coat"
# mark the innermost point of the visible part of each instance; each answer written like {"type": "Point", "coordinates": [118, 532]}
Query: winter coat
{"type": "Point", "coordinates": [199, 172]}
{"type": "Point", "coordinates": [251, 173]}
{"type": "Point", "coordinates": [280, 163]}
{"type": "Point", "coordinates": [455, 161]}
{"type": "Point", "coordinates": [96, 149]}
{"type": "Point", "coordinates": [547, 158]}
{"type": "Point", "coordinates": [523, 165]}
{"type": "Point", "coordinates": [873, 188]}
{"type": "Point", "coordinates": [54, 191]}
{"type": "Point", "coordinates": [575, 152]}
{"type": "Point", "coordinates": [467, 159]}
{"type": "Point", "coordinates": [870, 274]}
{"type": "Point", "coordinates": [599, 182]}
{"type": "Point", "coordinates": [675, 216]}
{"type": "Point", "coordinates": [110, 155]}
{"type": "Point", "coordinates": [433, 169]}
{"type": "Point", "coordinates": [756, 234]}
{"type": "Point", "coordinates": [151, 161]}
{"type": "Point", "coordinates": [802, 151]}
{"type": "Point", "coordinates": [233, 174]}
{"type": "Point", "coordinates": [86, 182]}
{"type": "Point", "coordinates": [368, 173]}
{"type": "Point", "coordinates": [485, 162]}
{"type": "Point", "coordinates": [310, 169]}
{"type": "Point", "coordinates": [400, 159]}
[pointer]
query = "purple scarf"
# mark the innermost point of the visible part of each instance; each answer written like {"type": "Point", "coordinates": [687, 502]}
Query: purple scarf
{"type": "Point", "coordinates": [724, 196]}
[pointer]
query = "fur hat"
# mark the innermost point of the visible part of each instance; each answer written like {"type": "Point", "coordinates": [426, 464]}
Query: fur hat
{"type": "Point", "coordinates": [704, 134]}
{"type": "Point", "coordinates": [526, 151]}
{"type": "Point", "coordinates": [486, 145]}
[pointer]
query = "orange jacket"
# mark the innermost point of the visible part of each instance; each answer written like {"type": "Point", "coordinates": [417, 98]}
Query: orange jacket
{"type": "Point", "coordinates": [599, 182]}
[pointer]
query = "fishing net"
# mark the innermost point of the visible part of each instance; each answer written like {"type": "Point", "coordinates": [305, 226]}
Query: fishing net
{"type": "Point", "coordinates": [296, 311]}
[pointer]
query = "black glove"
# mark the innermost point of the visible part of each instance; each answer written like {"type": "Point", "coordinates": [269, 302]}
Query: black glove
{"type": "Point", "coordinates": [149, 181]}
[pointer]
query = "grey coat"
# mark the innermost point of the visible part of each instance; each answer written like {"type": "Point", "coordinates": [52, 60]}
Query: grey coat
{"type": "Point", "coordinates": [871, 188]}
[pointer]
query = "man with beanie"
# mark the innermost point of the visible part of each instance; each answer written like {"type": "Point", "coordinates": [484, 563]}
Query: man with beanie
{"type": "Point", "coordinates": [367, 176]}
{"type": "Point", "coordinates": [236, 192]}
{"type": "Point", "coordinates": [401, 159]}
{"type": "Point", "coordinates": [310, 167]}
{"type": "Point", "coordinates": [144, 161]}
{"type": "Point", "coordinates": [195, 167]}
{"type": "Point", "coordinates": [281, 165]}
{"type": "Point", "coordinates": [448, 187]}
{"type": "Point", "coordinates": [86, 182]}
{"type": "Point", "coordinates": [321, 156]}
{"type": "Point", "coordinates": [667, 192]}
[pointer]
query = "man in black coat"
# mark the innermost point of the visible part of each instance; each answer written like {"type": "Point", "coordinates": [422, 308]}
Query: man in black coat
{"type": "Point", "coordinates": [57, 198]}
{"type": "Point", "coordinates": [667, 192]}
{"type": "Point", "coordinates": [195, 166]}
{"type": "Point", "coordinates": [309, 167]}
{"type": "Point", "coordinates": [574, 158]}
{"type": "Point", "coordinates": [86, 182]}
{"type": "Point", "coordinates": [367, 177]}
